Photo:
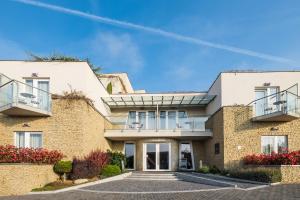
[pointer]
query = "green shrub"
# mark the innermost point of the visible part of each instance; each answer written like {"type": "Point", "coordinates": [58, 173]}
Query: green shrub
{"type": "Point", "coordinates": [62, 167]}
{"type": "Point", "coordinates": [214, 170]}
{"type": "Point", "coordinates": [110, 170]}
{"type": "Point", "coordinates": [257, 174]}
{"type": "Point", "coordinates": [204, 170]}
{"type": "Point", "coordinates": [116, 158]}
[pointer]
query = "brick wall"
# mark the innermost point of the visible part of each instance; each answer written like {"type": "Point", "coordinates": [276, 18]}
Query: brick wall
{"type": "Point", "coordinates": [17, 179]}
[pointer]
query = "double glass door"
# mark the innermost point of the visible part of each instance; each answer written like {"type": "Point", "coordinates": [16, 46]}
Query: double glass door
{"type": "Point", "coordinates": [157, 156]}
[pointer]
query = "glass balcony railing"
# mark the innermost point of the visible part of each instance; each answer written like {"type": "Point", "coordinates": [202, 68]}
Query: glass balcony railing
{"type": "Point", "coordinates": [14, 93]}
{"type": "Point", "coordinates": [285, 102]}
{"type": "Point", "coordinates": [150, 121]}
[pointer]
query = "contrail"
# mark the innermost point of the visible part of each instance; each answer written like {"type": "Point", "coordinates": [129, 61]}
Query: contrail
{"type": "Point", "coordinates": [156, 31]}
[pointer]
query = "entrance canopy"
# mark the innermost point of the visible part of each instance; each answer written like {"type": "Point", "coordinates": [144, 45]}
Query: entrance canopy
{"type": "Point", "coordinates": [150, 100]}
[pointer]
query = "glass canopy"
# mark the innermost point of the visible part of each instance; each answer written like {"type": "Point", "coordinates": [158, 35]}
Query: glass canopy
{"type": "Point", "coordinates": [160, 100]}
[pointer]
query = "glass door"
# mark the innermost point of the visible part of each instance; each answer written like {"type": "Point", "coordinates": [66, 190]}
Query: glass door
{"type": "Point", "coordinates": [260, 103]}
{"type": "Point", "coordinates": [186, 160]}
{"type": "Point", "coordinates": [151, 156]}
{"type": "Point", "coordinates": [157, 156]}
{"type": "Point", "coordinates": [129, 156]}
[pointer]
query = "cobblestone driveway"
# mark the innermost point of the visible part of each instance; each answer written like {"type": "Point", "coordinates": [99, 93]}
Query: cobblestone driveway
{"type": "Point", "coordinates": [193, 192]}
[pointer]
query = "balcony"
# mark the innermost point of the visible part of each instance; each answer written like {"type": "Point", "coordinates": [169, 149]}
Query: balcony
{"type": "Point", "coordinates": [146, 124]}
{"type": "Point", "coordinates": [281, 107]}
{"type": "Point", "coordinates": [20, 99]}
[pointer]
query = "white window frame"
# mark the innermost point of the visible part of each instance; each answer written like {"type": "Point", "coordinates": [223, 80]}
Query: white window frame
{"type": "Point", "coordinates": [134, 160]}
{"type": "Point", "coordinates": [27, 137]}
{"type": "Point", "coordinates": [192, 153]}
{"type": "Point", "coordinates": [156, 156]}
{"type": "Point", "coordinates": [275, 142]}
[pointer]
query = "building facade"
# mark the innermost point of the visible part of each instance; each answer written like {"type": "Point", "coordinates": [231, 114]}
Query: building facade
{"type": "Point", "coordinates": [241, 113]}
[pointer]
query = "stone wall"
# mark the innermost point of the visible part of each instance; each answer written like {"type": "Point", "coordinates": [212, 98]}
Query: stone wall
{"type": "Point", "coordinates": [289, 173]}
{"type": "Point", "coordinates": [17, 179]}
{"type": "Point", "coordinates": [75, 128]}
{"type": "Point", "coordinates": [232, 126]}
{"type": "Point", "coordinates": [215, 123]}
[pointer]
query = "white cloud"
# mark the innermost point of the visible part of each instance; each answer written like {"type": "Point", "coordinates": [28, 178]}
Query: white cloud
{"type": "Point", "coordinates": [117, 50]}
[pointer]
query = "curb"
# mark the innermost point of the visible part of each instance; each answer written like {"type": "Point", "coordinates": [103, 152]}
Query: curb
{"type": "Point", "coordinates": [114, 178]}
{"type": "Point", "coordinates": [236, 179]}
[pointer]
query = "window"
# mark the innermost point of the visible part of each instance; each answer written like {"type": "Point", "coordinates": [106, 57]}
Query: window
{"type": "Point", "coordinates": [217, 148]}
{"type": "Point", "coordinates": [186, 156]}
{"type": "Point", "coordinates": [28, 139]}
{"type": "Point", "coordinates": [266, 105]}
{"type": "Point", "coordinates": [277, 144]}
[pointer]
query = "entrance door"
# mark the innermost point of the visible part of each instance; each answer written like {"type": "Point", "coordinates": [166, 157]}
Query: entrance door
{"type": "Point", "coordinates": [157, 156]}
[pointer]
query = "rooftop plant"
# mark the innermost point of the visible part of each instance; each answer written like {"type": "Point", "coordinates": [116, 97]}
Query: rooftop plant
{"type": "Point", "coordinates": [63, 58]}
{"type": "Point", "coordinates": [73, 95]}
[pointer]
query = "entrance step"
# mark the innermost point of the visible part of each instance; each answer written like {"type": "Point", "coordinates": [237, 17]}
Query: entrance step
{"type": "Point", "coordinates": [153, 176]}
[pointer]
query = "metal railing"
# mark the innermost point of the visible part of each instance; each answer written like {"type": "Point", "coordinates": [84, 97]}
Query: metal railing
{"type": "Point", "coordinates": [161, 122]}
{"type": "Point", "coordinates": [285, 101]}
{"type": "Point", "coordinates": [15, 92]}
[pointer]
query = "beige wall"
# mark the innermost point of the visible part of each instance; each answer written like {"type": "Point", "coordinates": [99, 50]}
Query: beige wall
{"type": "Point", "coordinates": [75, 128]}
{"type": "Point", "coordinates": [63, 77]}
{"type": "Point", "coordinates": [238, 88]}
{"type": "Point", "coordinates": [17, 179]}
{"type": "Point", "coordinates": [239, 136]}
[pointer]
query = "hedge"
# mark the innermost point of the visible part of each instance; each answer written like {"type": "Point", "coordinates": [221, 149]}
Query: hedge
{"type": "Point", "coordinates": [291, 158]}
{"type": "Point", "coordinates": [257, 174]}
{"type": "Point", "coordinates": [12, 154]}
{"type": "Point", "coordinates": [111, 170]}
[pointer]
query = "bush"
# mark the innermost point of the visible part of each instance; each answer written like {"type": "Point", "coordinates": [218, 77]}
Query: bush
{"type": "Point", "coordinates": [204, 170]}
{"type": "Point", "coordinates": [62, 167]}
{"type": "Point", "coordinates": [257, 174]}
{"type": "Point", "coordinates": [89, 166]}
{"type": "Point", "coordinates": [214, 170]}
{"type": "Point", "coordinates": [116, 158]}
{"type": "Point", "coordinates": [292, 158]}
{"type": "Point", "coordinates": [12, 154]}
{"type": "Point", "coordinates": [111, 170]}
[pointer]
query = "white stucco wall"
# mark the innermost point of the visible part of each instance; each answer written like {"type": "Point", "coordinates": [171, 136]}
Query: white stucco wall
{"type": "Point", "coordinates": [239, 88]}
{"type": "Point", "coordinates": [63, 75]}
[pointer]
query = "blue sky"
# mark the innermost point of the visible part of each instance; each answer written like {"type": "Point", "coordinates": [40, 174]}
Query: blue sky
{"type": "Point", "coordinates": [156, 62]}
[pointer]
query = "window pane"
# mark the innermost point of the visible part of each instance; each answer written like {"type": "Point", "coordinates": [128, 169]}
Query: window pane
{"type": "Point", "coordinates": [142, 120]}
{"type": "Point", "coordinates": [151, 120]}
{"type": "Point", "coordinates": [29, 86]}
{"type": "Point", "coordinates": [164, 156]}
{"type": "Point", "coordinates": [186, 161]}
{"type": "Point", "coordinates": [129, 155]}
{"type": "Point", "coordinates": [151, 156]}
{"type": "Point", "coordinates": [183, 120]}
{"type": "Point", "coordinates": [35, 140]}
{"type": "Point", "coordinates": [20, 139]}
{"type": "Point", "coordinates": [171, 119]}
{"type": "Point", "coordinates": [43, 96]}
{"type": "Point", "coordinates": [131, 119]}
{"type": "Point", "coordinates": [162, 120]}
{"type": "Point", "coordinates": [267, 143]}
{"type": "Point", "coordinates": [282, 144]}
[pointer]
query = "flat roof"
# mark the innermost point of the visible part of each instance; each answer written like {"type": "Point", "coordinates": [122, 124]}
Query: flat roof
{"type": "Point", "coordinates": [151, 100]}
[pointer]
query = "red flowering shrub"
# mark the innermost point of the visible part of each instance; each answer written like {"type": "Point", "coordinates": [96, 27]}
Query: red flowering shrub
{"type": "Point", "coordinates": [89, 166]}
{"type": "Point", "coordinates": [12, 154]}
{"type": "Point", "coordinates": [291, 158]}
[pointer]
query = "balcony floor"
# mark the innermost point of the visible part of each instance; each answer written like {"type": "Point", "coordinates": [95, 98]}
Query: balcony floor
{"type": "Point", "coordinates": [119, 135]}
{"type": "Point", "coordinates": [23, 110]}
{"type": "Point", "coordinates": [279, 116]}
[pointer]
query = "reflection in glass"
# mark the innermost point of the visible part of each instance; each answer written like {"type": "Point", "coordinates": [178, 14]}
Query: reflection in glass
{"type": "Point", "coordinates": [171, 119]}
{"type": "Point", "coordinates": [163, 156]}
{"type": "Point", "coordinates": [151, 155]}
{"type": "Point", "coordinates": [186, 161]}
{"type": "Point", "coordinates": [129, 155]}
{"type": "Point", "coordinates": [151, 120]}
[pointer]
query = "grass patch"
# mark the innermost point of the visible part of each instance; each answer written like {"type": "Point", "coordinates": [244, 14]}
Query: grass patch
{"type": "Point", "coordinates": [54, 186]}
